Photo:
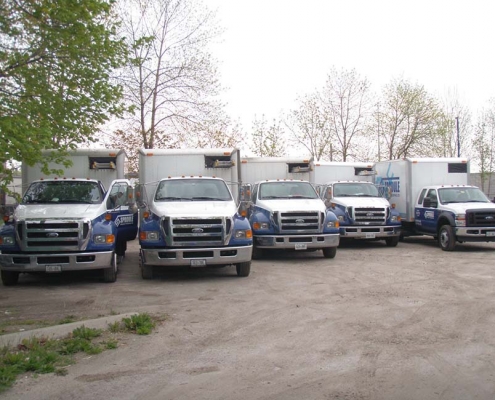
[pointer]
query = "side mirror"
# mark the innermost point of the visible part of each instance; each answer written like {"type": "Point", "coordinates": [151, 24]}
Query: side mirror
{"type": "Point", "coordinates": [429, 202]}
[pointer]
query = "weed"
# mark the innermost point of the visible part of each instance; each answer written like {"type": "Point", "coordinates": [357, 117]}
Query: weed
{"type": "Point", "coordinates": [115, 327]}
{"type": "Point", "coordinates": [142, 324]}
{"type": "Point", "coordinates": [42, 355]}
{"type": "Point", "coordinates": [68, 319]}
{"type": "Point", "coordinates": [111, 344]}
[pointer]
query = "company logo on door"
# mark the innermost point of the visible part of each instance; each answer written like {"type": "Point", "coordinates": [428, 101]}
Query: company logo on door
{"type": "Point", "coordinates": [429, 215]}
{"type": "Point", "coordinates": [124, 220]}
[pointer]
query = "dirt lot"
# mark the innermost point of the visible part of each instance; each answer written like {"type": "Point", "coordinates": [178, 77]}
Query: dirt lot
{"type": "Point", "coordinates": [410, 322]}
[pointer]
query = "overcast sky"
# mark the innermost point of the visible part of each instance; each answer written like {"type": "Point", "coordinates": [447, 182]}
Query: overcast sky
{"type": "Point", "coordinates": [274, 50]}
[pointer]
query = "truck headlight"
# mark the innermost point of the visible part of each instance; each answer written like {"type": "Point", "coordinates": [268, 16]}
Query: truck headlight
{"type": "Point", "coordinates": [333, 224]}
{"type": "Point", "coordinates": [243, 234]}
{"type": "Point", "coordinates": [149, 235]}
{"type": "Point", "coordinates": [460, 220]}
{"type": "Point", "coordinates": [260, 225]}
{"type": "Point", "coordinates": [7, 240]}
{"type": "Point", "coordinates": [104, 239]}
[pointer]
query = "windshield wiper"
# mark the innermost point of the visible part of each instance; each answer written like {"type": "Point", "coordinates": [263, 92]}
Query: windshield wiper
{"type": "Point", "coordinates": [171, 198]}
{"type": "Point", "coordinates": [207, 198]}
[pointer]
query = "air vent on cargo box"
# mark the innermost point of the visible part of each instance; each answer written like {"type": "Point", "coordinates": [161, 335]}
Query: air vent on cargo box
{"type": "Point", "coordinates": [102, 162]}
{"type": "Point", "coordinates": [458, 168]}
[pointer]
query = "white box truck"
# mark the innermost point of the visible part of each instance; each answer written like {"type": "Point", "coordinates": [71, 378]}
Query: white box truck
{"type": "Point", "coordinates": [284, 209]}
{"type": "Point", "coordinates": [433, 198]}
{"type": "Point", "coordinates": [188, 214]}
{"type": "Point", "coordinates": [362, 211]}
{"type": "Point", "coordinates": [70, 222]}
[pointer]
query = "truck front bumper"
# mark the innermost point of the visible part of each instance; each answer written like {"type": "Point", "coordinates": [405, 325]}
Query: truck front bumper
{"type": "Point", "coordinates": [369, 232]}
{"type": "Point", "coordinates": [55, 262]}
{"type": "Point", "coordinates": [297, 241]}
{"type": "Point", "coordinates": [196, 256]}
{"type": "Point", "coordinates": [475, 234]}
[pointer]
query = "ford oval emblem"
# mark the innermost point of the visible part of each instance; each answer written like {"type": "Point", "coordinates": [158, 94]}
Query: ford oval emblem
{"type": "Point", "coordinates": [370, 214]}
{"type": "Point", "coordinates": [489, 217]}
{"type": "Point", "coordinates": [52, 234]}
{"type": "Point", "coordinates": [197, 230]}
{"type": "Point", "coordinates": [299, 221]}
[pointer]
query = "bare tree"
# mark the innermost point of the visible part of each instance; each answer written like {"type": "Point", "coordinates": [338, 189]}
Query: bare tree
{"type": "Point", "coordinates": [171, 78]}
{"type": "Point", "coordinates": [346, 101]}
{"type": "Point", "coordinates": [310, 127]}
{"type": "Point", "coordinates": [411, 120]}
{"type": "Point", "coordinates": [456, 116]}
{"type": "Point", "coordinates": [268, 141]}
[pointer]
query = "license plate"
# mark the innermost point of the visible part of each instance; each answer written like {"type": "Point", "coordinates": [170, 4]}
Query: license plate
{"type": "Point", "coordinates": [53, 268]}
{"type": "Point", "coordinates": [301, 246]}
{"type": "Point", "coordinates": [490, 233]}
{"type": "Point", "coordinates": [370, 236]}
{"type": "Point", "coordinates": [198, 263]}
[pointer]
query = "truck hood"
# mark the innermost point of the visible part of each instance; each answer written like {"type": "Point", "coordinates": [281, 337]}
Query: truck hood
{"type": "Point", "coordinates": [287, 205]}
{"type": "Point", "coordinates": [195, 208]}
{"type": "Point", "coordinates": [460, 208]}
{"type": "Point", "coordinates": [362, 201]}
{"type": "Point", "coordinates": [43, 211]}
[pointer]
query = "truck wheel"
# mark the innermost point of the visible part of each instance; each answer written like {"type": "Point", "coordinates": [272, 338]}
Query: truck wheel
{"type": "Point", "coordinates": [257, 252]}
{"type": "Point", "coordinates": [329, 252]}
{"type": "Point", "coordinates": [392, 241]}
{"type": "Point", "coordinates": [243, 269]}
{"type": "Point", "coordinates": [146, 270]}
{"type": "Point", "coordinates": [10, 278]}
{"type": "Point", "coordinates": [110, 274]}
{"type": "Point", "coordinates": [446, 238]}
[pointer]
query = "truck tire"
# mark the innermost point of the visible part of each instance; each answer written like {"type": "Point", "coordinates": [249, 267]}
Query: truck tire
{"type": "Point", "coordinates": [146, 270]}
{"type": "Point", "coordinates": [446, 238]}
{"type": "Point", "coordinates": [392, 241]}
{"type": "Point", "coordinates": [243, 269]}
{"type": "Point", "coordinates": [110, 274]}
{"type": "Point", "coordinates": [10, 278]}
{"type": "Point", "coordinates": [257, 252]}
{"type": "Point", "coordinates": [329, 252]}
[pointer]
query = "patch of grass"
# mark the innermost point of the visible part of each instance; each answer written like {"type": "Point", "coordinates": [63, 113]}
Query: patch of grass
{"type": "Point", "coordinates": [68, 319]}
{"type": "Point", "coordinates": [42, 356]}
{"type": "Point", "coordinates": [142, 324]}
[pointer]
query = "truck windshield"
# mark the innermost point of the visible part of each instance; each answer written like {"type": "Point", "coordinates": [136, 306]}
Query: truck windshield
{"type": "Point", "coordinates": [192, 190]}
{"type": "Point", "coordinates": [462, 195]}
{"type": "Point", "coordinates": [63, 192]}
{"type": "Point", "coordinates": [355, 190]}
{"type": "Point", "coordinates": [287, 190]}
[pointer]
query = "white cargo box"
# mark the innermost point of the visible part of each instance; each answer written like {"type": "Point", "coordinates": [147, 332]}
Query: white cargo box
{"type": "Point", "coordinates": [323, 172]}
{"type": "Point", "coordinates": [405, 178]}
{"type": "Point", "coordinates": [254, 169]}
{"type": "Point", "coordinates": [104, 165]}
{"type": "Point", "coordinates": [156, 164]}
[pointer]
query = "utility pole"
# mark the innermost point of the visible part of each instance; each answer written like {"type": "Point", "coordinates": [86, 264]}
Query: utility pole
{"type": "Point", "coordinates": [458, 138]}
{"type": "Point", "coordinates": [378, 117]}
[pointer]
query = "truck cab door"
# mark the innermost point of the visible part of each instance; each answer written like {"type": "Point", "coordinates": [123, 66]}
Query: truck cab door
{"type": "Point", "coordinates": [426, 212]}
{"type": "Point", "coordinates": [120, 205]}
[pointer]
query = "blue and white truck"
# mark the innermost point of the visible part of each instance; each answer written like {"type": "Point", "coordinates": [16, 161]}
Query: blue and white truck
{"type": "Point", "coordinates": [189, 215]}
{"type": "Point", "coordinates": [433, 198]}
{"type": "Point", "coordinates": [70, 222]}
{"type": "Point", "coordinates": [362, 210]}
{"type": "Point", "coordinates": [284, 209]}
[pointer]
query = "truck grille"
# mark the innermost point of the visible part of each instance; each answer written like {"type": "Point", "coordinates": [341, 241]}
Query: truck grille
{"type": "Point", "coordinates": [301, 221]}
{"type": "Point", "coordinates": [480, 218]}
{"type": "Point", "coordinates": [369, 216]}
{"type": "Point", "coordinates": [53, 235]}
{"type": "Point", "coordinates": [197, 232]}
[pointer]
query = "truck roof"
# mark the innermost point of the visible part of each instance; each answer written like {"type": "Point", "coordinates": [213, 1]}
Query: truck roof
{"type": "Point", "coordinates": [448, 186]}
{"type": "Point", "coordinates": [72, 179]}
{"type": "Point", "coordinates": [282, 180]}
{"type": "Point", "coordinates": [191, 177]}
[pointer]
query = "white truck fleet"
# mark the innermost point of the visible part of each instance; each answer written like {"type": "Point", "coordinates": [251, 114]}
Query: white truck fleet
{"type": "Point", "coordinates": [188, 214]}
{"type": "Point", "coordinates": [284, 209]}
{"type": "Point", "coordinates": [70, 222]}
{"type": "Point", "coordinates": [348, 191]}
{"type": "Point", "coordinates": [433, 198]}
